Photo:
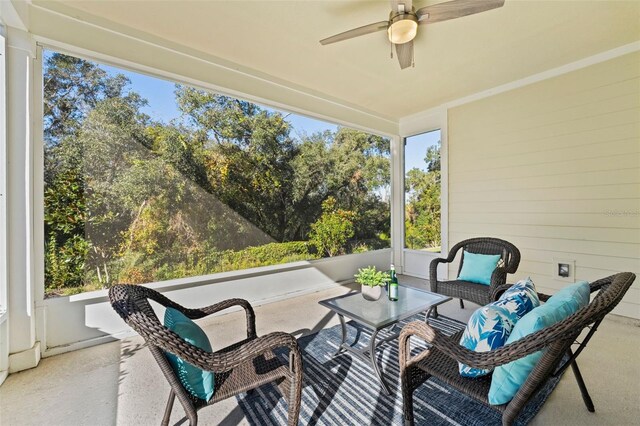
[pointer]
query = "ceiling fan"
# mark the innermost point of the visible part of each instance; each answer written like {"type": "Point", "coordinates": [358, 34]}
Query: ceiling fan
{"type": "Point", "coordinates": [402, 26]}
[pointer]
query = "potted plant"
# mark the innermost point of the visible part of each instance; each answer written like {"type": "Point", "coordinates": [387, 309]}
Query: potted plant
{"type": "Point", "coordinates": [371, 282]}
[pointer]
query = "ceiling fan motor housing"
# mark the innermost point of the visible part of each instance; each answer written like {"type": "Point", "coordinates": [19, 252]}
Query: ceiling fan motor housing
{"type": "Point", "coordinates": [403, 27]}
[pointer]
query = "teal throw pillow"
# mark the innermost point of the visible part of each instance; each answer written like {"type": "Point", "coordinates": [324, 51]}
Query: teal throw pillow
{"type": "Point", "coordinates": [196, 381]}
{"type": "Point", "coordinates": [508, 378]}
{"type": "Point", "coordinates": [487, 329]}
{"type": "Point", "coordinates": [478, 268]}
{"type": "Point", "coordinates": [519, 299]}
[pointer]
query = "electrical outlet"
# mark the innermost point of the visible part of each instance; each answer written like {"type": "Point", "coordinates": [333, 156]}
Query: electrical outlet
{"type": "Point", "coordinates": [564, 270]}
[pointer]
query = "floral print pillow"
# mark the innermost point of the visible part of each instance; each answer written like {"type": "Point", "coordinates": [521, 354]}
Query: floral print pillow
{"type": "Point", "coordinates": [487, 329]}
{"type": "Point", "coordinates": [519, 299]}
{"type": "Point", "coordinates": [490, 326]}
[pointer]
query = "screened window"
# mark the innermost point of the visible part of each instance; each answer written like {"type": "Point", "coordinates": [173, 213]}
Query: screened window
{"type": "Point", "coordinates": [147, 180]}
{"type": "Point", "coordinates": [422, 192]}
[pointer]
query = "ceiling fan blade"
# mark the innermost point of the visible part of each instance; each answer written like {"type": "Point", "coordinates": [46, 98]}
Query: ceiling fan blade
{"type": "Point", "coordinates": [356, 32]}
{"type": "Point", "coordinates": [455, 9]}
{"type": "Point", "coordinates": [408, 4]}
{"type": "Point", "coordinates": [404, 52]}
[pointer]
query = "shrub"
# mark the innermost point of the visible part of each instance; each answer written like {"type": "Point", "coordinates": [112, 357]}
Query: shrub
{"type": "Point", "coordinates": [64, 265]}
{"type": "Point", "coordinates": [331, 232]}
{"type": "Point", "coordinates": [264, 255]}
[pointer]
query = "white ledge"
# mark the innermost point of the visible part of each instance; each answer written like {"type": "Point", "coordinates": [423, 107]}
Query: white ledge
{"type": "Point", "coordinates": [190, 282]}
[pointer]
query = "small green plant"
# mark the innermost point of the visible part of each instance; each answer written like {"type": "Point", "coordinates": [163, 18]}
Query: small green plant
{"type": "Point", "coordinates": [370, 277]}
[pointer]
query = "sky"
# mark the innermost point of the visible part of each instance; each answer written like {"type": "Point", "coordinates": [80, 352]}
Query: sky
{"type": "Point", "coordinates": [416, 149]}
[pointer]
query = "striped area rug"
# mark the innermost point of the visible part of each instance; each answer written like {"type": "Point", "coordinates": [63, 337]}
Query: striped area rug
{"type": "Point", "coordinates": [344, 390]}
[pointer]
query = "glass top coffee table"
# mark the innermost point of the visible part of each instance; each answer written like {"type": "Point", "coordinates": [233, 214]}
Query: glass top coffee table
{"type": "Point", "coordinates": [378, 315]}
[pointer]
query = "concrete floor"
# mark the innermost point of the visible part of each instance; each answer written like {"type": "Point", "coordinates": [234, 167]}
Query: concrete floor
{"type": "Point", "coordinates": [120, 383]}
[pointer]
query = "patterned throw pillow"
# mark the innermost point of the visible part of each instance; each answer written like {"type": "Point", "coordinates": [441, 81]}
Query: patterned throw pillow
{"type": "Point", "coordinates": [520, 299]}
{"type": "Point", "coordinates": [487, 329]}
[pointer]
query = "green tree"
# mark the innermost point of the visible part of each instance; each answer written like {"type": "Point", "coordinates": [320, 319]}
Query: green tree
{"type": "Point", "coordinates": [422, 210]}
{"type": "Point", "coordinates": [64, 217]}
{"type": "Point", "coordinates": [352, 167]}
{"type": "Point", "coordinates": [72, 88]}
{"type": "Point", "coordinates": [331, 232]}
{"type": "Point", "coordinates": [250, 152]}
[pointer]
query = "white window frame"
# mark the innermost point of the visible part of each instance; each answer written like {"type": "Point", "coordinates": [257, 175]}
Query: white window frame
{"type": "Point", "coordinates": [3, 178]}
{"type": "Point", "coordinates": [416, 262]}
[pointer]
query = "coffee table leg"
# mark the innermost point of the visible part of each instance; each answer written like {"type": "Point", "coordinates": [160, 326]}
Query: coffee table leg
{"type": "Point", "coordinates": [363, 354]}
{"type": "Point", "coordinates": [343, 326]}
{"type": "Point", "coordinates": [374, 364]}
{"type": "Point", "coordinates": [428, 314]}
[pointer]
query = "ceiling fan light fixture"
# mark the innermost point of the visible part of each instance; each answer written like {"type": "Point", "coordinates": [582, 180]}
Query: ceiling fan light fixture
{"type": "Point", "coordinates": [402, 28]}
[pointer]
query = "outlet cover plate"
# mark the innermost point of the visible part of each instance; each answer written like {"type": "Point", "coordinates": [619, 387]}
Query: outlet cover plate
{"type": "Point", "coordinates": [564, 270]}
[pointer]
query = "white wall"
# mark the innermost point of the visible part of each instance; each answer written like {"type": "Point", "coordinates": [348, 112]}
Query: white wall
{"type": "Point", "coordinates": [554, 167]}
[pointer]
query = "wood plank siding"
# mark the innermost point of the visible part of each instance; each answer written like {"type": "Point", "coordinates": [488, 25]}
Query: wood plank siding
{"type": "Point", "coordinates": [554, 167]}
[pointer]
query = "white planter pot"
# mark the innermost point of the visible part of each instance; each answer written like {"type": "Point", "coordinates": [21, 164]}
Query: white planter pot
{"type": "Point", "coordinates": [371, 293]}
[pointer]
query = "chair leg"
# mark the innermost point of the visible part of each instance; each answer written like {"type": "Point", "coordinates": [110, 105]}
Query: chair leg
{"type": "Point", "coordinates": [167, 411]}
{"type": "Point", "coordinates": [461, 304]}
{"type": "Point", "coordinates": [293, 405]}
{"type": "Point", "coordinates": [292, 386]}
{"type": "Point", "coordinates": [583, 388]}
{"type": "Point", "coordinates": [410, 379]}
{"type": "Point", "coordinates": [193, 420]}
{"type": "Point", "coordinates": [407, 399]}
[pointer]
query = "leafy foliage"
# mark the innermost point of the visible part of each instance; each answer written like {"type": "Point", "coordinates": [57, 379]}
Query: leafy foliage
{"type": "Point", "coordinates": [422, 210]}
{"type": "Point", "coordinates": [224, 187]}
{"type": "Point", "coordinates": [65, 264]}
{"type": "Point", "coordinates": [330, 233]}
{"type": "Point", "coordinates": [371, 277]}
{"type": "Point", "coordinates": [267, 254]}
{"type": "Point", "coordinates": [73, 87]}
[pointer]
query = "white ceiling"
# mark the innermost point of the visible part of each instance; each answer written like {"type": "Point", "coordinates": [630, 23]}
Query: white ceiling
{"type": "Point", "coordinates": [453, 59]}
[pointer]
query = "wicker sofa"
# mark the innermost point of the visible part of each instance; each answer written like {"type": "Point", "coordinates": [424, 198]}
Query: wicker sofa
{"type": "Point", "coordinates": [238, 368]}
{"type": "Point", "coordinates": [441, 360]}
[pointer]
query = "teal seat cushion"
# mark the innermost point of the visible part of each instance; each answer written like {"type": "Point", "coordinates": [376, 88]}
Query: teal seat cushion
{"type": "Point", "coordinates": [487, 329]}
{"type": "Point", "coordinates": [196, 381]}
{"type": "Point", "coordinates": [478, 268]}
{"type": "Point", "coordinates": [508, 378]}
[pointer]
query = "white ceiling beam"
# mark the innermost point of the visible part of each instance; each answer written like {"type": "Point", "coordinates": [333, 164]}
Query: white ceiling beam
{"type": "Point", "coordinates": [15, 14]}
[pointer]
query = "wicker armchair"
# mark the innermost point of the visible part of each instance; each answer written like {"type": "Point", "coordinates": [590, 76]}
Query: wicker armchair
{"type": "Point", "coordinates": [478, 293]}
{"type": "Point", "coordinates": [441, 360]}
{"type": "Point", "coordinates": [238, 368]}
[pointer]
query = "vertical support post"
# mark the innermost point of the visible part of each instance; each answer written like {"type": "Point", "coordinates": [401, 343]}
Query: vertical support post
{"type": "Point", "coordinates": [4, 328]}
{"type": "Point", "coordinates": [397, 202]}
{"type": "Point", "coordinates": [24, 350]}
